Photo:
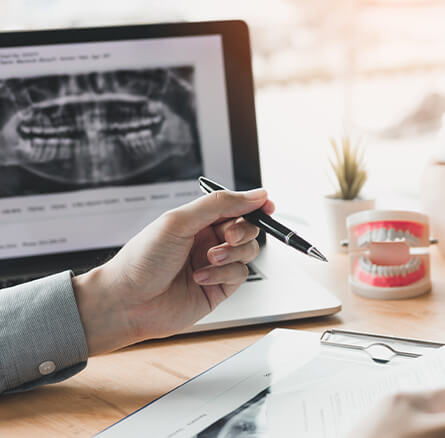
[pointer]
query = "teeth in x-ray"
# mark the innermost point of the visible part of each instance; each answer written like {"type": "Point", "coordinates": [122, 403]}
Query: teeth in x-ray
{"type": "Point", "coordinates": [45, 131]}
{"type": "Point", "coordinates": [135, 125]}
{"type": "Point", "coordinates": [99, 123]}
{"type": "Point", "coordinates": [65, 149]}
{"type": "Point", "coordinates": [47, 137]}
{"type": "Point", "coordinates": [37, 148]}
{"type": "Point", "coordinates": [79, 130]}
{"type": "Point", "coordinates": [140, 144]}
{"type": "Point", "coordinates": [42, 150]}
{"type": "Point", "coordinates": [136, 144]}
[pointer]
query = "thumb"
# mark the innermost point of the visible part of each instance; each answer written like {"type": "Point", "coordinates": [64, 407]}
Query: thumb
{"type": "Point", "coordinates": [189, 219]}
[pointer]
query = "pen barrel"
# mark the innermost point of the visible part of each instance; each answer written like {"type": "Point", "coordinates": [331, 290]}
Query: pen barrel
{"type": "Point", "coordinates": [269, 225]}
{"type": "Point", "coordinates": [277, 230]}
{"type": "Point", "coordinates": [299, 243]}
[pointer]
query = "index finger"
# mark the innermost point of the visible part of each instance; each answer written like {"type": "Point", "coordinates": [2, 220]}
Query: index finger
{"type": "Point", "coordinates": [189, 219]}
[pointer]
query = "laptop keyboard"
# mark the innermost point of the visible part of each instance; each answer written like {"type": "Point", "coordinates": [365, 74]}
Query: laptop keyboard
{"type": "Point", "coordinates": [254, 275]}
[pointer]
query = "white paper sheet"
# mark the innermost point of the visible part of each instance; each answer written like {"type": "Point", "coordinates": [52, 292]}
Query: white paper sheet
{"type": "Point", "coordinates": [333, 411]}
{"type": "Point", "coordinates": [286, 384]}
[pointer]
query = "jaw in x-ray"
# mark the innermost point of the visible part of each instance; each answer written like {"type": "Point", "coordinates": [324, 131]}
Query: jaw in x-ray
{"type": "Point", "coordinates": [101, 127]}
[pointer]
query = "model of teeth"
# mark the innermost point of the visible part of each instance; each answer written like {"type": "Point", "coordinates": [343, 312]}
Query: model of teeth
{"type": "Point", "coordinates": [383, 264]}
{"type": "Point", "coordinates": [387, 235]}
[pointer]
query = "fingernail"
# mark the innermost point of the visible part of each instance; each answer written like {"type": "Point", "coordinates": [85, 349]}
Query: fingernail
{"type": "Point", "coordinates": [201, 276]}
{"type": "Point", "coordinates": [219, 254]}
{"type": "Point", "coordinates": [256, 193]}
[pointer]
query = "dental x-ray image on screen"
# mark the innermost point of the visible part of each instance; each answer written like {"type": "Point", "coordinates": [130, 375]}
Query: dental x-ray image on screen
{"type": "Point", "coordinates": [69, 132]}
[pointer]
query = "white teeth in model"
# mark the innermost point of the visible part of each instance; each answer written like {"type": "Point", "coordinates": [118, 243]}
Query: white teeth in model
{"type": "Point", "coordinates": [387, 235]}
{"type": "Point", "coordinates": [389, 271]}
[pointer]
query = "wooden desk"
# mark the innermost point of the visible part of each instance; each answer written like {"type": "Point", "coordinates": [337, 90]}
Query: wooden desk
{"type": "Point", "coordinates": [117, 384]}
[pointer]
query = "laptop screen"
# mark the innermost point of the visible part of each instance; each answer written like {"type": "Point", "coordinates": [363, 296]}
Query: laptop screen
{"type": "Point", "coordinates": [97, 139]}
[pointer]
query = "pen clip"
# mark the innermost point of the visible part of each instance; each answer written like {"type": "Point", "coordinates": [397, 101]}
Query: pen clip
{"type": "Point", "coordinates": [209, 186]}
{"type": "Point", "coordinates": [203, 190]}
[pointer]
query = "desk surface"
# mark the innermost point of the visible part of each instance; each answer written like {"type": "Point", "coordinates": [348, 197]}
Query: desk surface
{"type": "Point", "coordinates": [117, 384]}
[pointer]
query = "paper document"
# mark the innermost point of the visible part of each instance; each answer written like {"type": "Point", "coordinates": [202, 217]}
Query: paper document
{"type": "Point", "coordinates": [334, 410]}
{"type": "Point", "coordinates": [286, 384]}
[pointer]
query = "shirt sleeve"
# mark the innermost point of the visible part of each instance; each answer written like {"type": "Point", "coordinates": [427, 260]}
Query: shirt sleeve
{"type": "Point", "coordinates": [41, 335]}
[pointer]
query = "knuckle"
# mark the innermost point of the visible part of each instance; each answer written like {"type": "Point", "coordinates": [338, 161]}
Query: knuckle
{"type": "Point", "coordinates": [214, 276]}
{"type": "Point", "coordinates": [218, 275]}
{"type": "Point", "coordinates": [256, 247]}
{"type": "Point", "coordinates": [168, 218]}
{"type": "Point", "coordinates": [400, 398]}
{"type": "Point", "coordinates": [172, 219]}
{"type": "Point", "coordinates": [256, 233]}
{"type": "Point", "coordinates": [251, 250]}
{"type": "Point", "coordinates": [221, 196]}
{"type": "Point", "coordinates": [250, 230]}
{"type": "Point", "coordinates": [244, 271]}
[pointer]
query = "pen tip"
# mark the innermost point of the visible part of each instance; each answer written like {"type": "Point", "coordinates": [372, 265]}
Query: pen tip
{"type": "Point", "coordinates": [314, 252]}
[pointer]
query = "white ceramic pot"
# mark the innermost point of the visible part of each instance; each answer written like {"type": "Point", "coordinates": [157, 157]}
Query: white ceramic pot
{"type": "Point", "coordinates": [337, 210]}
{"type": "Point", "coordinates": [432, 194]}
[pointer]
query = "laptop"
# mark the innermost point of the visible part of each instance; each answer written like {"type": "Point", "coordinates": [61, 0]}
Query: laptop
{"type": "Point", "coordinates": [103, 129]}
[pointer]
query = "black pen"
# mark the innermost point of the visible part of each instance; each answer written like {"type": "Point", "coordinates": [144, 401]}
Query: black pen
{"type": "Point", "coordinates": [269, 225]}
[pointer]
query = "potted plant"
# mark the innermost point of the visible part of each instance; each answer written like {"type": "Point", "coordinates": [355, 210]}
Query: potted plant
{"type": "Point", "coordinates": [432, 189]}
{"type": "Point", "coordinates": [350, 176]}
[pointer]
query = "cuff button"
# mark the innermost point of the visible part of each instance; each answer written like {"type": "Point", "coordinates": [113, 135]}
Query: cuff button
{"type": "Point", "coordinates": [47, 367]}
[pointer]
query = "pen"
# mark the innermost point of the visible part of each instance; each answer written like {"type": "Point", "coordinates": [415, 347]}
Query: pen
{"type": "Point", "coordinates": [269, 225]}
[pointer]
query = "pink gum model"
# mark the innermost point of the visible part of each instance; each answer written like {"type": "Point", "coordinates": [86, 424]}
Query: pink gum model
{"type": "Point", "coordinates": [389, 253]}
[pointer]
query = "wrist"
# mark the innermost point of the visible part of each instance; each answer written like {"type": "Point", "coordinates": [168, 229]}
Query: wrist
{"type": "Point", "coordinates": [100, 312]}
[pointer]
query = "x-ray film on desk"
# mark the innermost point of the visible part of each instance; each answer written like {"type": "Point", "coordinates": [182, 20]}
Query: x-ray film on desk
{"type": "Point", "coordinates": [286, 384]}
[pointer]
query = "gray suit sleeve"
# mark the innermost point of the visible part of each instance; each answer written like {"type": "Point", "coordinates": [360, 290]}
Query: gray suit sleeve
{"type": "Point", "coordinates": [41, 335]}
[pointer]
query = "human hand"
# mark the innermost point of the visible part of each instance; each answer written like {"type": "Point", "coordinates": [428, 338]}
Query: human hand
{"type": "Point", "coordinates": [406, 415]}
{"type": "Point", "coordinates": [171, 274]}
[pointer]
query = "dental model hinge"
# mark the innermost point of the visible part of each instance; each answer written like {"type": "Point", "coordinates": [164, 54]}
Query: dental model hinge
{"type": "Point", "coordinates": [345, 243]}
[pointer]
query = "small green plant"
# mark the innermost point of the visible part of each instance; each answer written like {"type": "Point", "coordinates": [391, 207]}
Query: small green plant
{"type": "Point", "coordinates": [348, 168]}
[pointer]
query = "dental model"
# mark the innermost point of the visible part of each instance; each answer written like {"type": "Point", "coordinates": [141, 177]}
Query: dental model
{"type": "Point", "coordinates": [388, 253]}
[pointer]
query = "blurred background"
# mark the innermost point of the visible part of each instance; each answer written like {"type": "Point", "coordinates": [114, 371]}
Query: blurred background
{"type": "Point", "coordinates": [375, 68]}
